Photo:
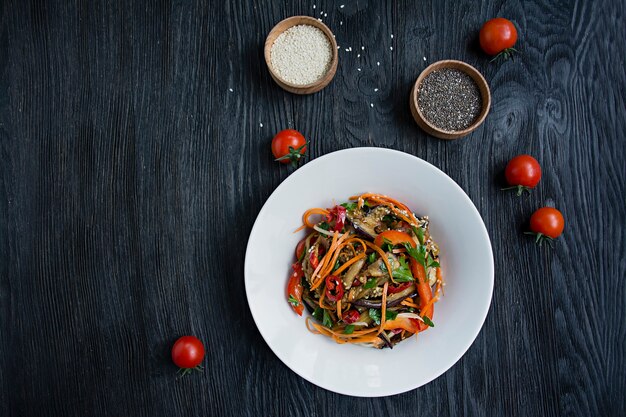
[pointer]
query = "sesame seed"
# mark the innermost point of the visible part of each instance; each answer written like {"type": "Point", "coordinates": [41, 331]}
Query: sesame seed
{"type": "Point", "coordinates": [392, 36]}
{"type": "Point", "coordinates": [358, 55]}
{"type": "Point", "coordinates": [341, 22]}
{"type": "Point", "coordinates": [301, 55]}
{"type": "Point", "coordinates": [230, 89]}
{"type": "Point", "coordinates": [376, 89]}
{"type": "Point", "coordinates": [319, 19]}
{"type": "Point", "coordinates": [424, 58]}
{"type": "Point", "coordinates": [362, 48]}
{"type": "Point", "coordinates": [347, 50]}
{"type": "Point", "coordinates": [342, 6]}
{"type": "Point", "coordinates": [358, 69]}
{"type": "Point", "coordinates": [325, 14]}
{"type": "Point", "coordinates": [378, 63]}
{"type": "Point", "coordinates": [391, 48]}
{"type": "Point", "coordinates": [371, 104]}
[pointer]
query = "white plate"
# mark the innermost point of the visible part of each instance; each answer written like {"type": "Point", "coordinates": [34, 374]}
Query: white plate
{"type": "Point", "coordinates": [466, 260]}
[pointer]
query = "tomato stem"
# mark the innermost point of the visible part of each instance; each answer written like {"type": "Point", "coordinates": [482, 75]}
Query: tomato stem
{"type": "Point", "coordinates": [519, 188]}
{"type": "Point", "coordinates": [540, 238]}
{"type": "Point", "coordinates": [506, 54]}
{"type": "Point", "coordinates": [294, 155]}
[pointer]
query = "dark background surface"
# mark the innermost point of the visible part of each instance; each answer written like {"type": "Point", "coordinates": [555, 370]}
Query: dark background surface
{"type": "Point", "coordinates": [130, 177]}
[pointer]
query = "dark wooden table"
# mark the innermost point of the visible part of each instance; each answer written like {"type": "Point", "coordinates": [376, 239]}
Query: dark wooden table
{"type": "Point", "coordinates": [134, 157]}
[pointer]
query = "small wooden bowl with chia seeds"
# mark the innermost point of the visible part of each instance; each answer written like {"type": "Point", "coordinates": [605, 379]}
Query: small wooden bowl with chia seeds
{"type": "Point", "coordinates": [450, 99]}
{"type": "Point", "coordinates": [301, 54]}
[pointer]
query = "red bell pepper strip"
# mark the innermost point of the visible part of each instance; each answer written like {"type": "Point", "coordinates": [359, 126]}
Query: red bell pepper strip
{"type": "Point", "coordinates": [334, 288]}
{"type": "Point", "coordinates": [294, 289]}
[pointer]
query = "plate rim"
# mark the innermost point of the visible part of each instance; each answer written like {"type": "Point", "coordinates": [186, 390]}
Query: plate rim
{"type": "Point", "coordinates": [491, 275]}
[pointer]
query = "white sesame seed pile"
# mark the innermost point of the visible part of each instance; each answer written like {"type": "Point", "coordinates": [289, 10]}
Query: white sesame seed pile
{"type": "Point", "coordinates": [301, 55]}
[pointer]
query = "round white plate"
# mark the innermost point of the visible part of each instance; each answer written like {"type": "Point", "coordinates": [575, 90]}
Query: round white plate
{"type": "Point", "coordinates": [466, 260]}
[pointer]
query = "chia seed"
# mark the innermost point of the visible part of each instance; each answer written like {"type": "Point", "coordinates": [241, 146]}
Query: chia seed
{"type": "Point", "coordinates": [449, 99]}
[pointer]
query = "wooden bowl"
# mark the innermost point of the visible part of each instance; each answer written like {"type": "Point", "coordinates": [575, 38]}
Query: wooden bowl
{"type": "Point", "coordinates": [478, 79]}
{"type": "Point", "coordinates": [277, 31]}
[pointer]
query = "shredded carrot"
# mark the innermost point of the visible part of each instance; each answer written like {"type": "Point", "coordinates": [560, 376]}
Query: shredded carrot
{"type": "Point", "coordinates": [409, 304]}
{"type": "Point", "coordinates": [349, 263]}
{"type": "Point", "coordinates": [339, 310]}
{"type": "Point", "coordinates": [384, 258]}
{"type": "Point", "coordinates": [309, 212]}
{"type": "Point", "coordinates": [318, 277]}
{"type": "Point", "coordinates": [429, 303]}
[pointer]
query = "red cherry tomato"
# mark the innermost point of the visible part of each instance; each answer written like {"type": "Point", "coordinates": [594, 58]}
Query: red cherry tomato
{"type": "Point", "coordinates": [188, 352]}
{"type": "Point", "coordinates": [522, 173]}
{"type": "Point", "coordinates": [547, 221]}
{"type": "Point", "coordinates": [497, 36]}
{"type": "Point", "coordinates": [288, 146]}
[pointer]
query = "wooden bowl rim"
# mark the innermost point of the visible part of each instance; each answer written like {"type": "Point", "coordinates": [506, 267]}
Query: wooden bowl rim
{"type": "Point", "coordinates": [295, 21]}
{"type": "Point", "coordinates": [478, 79]}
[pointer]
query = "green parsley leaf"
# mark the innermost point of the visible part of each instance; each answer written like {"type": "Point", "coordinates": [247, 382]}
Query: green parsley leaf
{"type": "Point", "coordinates": [428, 322]}
{"type": "Point", "coordinates": [419, 232]}
{"type": "Point", "coordinates": [387, 246]}
{"type": "Point", "coordinates": [349, 329]}
{"type": "Point", "coordinates": [293, 301]}
{"type": "Point", "coordinates": [433, 264]}
{"type": "Point", "coordinates": [371, 283]}
{"type": "Point", "coordinates": [401, 273]}
{"type": "Point", "coordinates": [366, 203]}
{"type": "Point", "coordinates": [324, 225]}
{"type": "Point", "coordinates": [327, 321]}
{"type": "Point", "coordinates": [371, 258]}
{"type": "Point", "coordinates": [419, 253]}
{"type": "Point", "coordinates": [391, 315]}
{"type": "Point", "coordinates": [349, 206]}
{"type": "Point", "coordinates": [318, 314]}
{"type": "Point", "coordinates": [374, 315]}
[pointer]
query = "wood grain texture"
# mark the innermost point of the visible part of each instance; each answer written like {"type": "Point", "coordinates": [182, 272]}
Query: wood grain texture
{"type": "Point", "coordinates": [130, 177]}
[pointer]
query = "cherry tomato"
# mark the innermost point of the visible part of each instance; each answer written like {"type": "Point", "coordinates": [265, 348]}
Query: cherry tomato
{"type": "Point", "coordinates": [546, 223]}
{"type": "Point", "coordinates": [497, 37]}
{"type": "Point", "coordinates": [351, 316]}
{"type": "Point", "coordinates": [188, 352]}
{"type": "Point", "coordinates": [288, 146]}
{"type": "Point", "coordinates": [522, 173]}
{"type": "Point", "coordinates": [294, 289]}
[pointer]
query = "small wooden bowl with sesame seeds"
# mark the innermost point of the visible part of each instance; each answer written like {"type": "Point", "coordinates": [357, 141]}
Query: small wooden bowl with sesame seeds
{"type": "Point", "coordinates": [427, 125]}
{"type": "Point", "coordinates": [308, 87]}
